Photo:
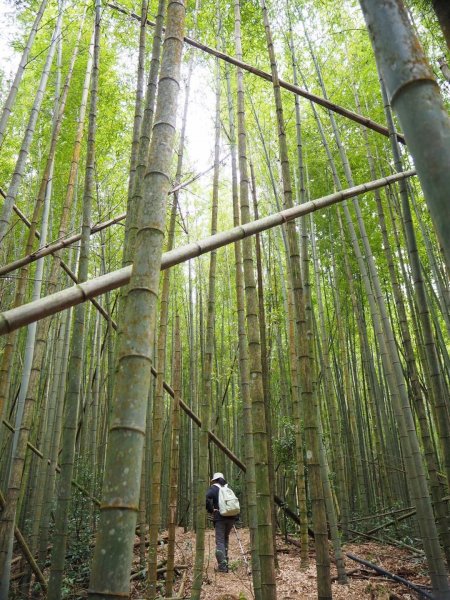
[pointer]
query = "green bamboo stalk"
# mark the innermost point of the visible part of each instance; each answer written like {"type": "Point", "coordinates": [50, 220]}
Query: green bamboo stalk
{"type": "Point", "coordinates": [244, 373]}
{"type": "Point", "coordinates": [415, 97]}
{"type": "Point", "coordinates": [335, 429]}
{"type": "Point", "coordinates": [264, 361]}
{"type": "Point", "coordinates": [29, 134]}
{"type": "Point", "coordinates": [75, 367]}
{"type": "Point", "coordinates": [157, 420]}
{"type": "Point", "coordinates": [115, 537]}
{"type": "Point", "coordinates": [25, 418]}
{"type": "Point", "coordinates": [139, 163]}
{"type": "Point", "coordinates": [174, 465]}
{"type": "Point", "coordinates": [264, 508]}
{"type": "Point", "coordinates": [207, 388]}
{"type": "Point", "coordinates": [9, 103]}
{"type": "Point", "coordinates": [8, 352]}
{"type": "Point", "coordinates": [304, 341]}
{"type": "Point", "coordinates": [138, 107]}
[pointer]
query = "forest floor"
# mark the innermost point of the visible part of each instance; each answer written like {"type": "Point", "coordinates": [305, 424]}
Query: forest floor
{"type": "Point", "coordinates": [292, 583]}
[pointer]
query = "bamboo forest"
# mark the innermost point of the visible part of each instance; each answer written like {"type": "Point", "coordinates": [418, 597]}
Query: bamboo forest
{"type": "Point", "coordinates": [224, 276]}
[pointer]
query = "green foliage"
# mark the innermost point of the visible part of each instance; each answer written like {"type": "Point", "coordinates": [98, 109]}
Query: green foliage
{"type": "Point", "coordinates": [284, 446]}
{"type": "Point", "coordinates": [82, 517]}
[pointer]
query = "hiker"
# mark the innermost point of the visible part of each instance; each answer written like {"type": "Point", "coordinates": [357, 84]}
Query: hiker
{"type": "Point", "coordinates": [223, 505]}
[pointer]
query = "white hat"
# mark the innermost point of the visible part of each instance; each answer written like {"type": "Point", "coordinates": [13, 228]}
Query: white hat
{"type": "Point", "coordinates": [217, 476]}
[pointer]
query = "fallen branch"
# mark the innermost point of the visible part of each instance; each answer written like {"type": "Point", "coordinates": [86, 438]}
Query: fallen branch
{"type": "Point", "coordinates": [393, 521]}
{"type": "Point", "coordinates": [182, 584]}
{"type": "Point", "coordinates": [389, 575]}
{"type": "Point", "coordinates": [383, 514]}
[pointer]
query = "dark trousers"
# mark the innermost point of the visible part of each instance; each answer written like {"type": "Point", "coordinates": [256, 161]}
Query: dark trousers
{"type": "Point", "coordinates": [223, 527]}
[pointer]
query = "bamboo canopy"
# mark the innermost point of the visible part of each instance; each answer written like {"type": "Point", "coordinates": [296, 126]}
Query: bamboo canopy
{"type": "Point", "coordinates": [295, 89]}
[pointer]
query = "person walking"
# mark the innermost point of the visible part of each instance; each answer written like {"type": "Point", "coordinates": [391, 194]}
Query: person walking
{"type": "Point", "coordinates": [223, 505]}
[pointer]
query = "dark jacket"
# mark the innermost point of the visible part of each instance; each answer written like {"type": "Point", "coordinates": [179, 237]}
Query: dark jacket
{"type": "Point", "coordinates": [212, 501]}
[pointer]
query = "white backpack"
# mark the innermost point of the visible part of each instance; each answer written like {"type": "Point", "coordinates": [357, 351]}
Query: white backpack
{"type": "Point", "coordinates": [228, 503]}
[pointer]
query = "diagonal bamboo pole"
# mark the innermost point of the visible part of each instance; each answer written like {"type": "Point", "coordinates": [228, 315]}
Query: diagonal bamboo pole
{"type": "Point", "coordinates": [64, 242]}
{"type": "Point", "coordinates": [15, 318]}
{"type": "Point", "coordinates": [295, 89]}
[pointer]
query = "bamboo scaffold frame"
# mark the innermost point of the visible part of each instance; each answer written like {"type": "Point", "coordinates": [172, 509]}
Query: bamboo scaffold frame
{"type": "Point", "coordinates": [15, 318]}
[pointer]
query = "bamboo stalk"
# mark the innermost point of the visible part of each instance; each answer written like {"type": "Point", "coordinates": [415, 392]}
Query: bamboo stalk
{"type": "Point", "coordinates": [416, 98]}
{"type": "Point", "coordinates": [34, 311]}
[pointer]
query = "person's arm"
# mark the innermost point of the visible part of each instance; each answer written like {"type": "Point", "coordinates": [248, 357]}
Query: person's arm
{"type": "Point", "coordinates": [210, 500]}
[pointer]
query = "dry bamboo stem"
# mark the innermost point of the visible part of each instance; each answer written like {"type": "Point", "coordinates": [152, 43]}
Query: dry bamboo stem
{"type": "Point", "coordinates": [34, 311]}
{"type": "Point", "coordinates": [409, 584]}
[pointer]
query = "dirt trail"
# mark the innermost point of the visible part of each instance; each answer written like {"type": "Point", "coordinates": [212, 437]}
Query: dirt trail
{"type": "Point", "coordinates": [293, 584]}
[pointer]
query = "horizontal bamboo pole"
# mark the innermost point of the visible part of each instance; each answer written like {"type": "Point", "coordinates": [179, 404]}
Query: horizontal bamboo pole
{"type": "Point", "coordinates": [393, 521]}
{"type": "Point", "coordinates": [56, 246]}
{"type": "Point", "coordinates": [295, 89]}
{"type": "Point", "coordinates": [62, 243]}
{"type": "Point", "coordinates": [39, 309]}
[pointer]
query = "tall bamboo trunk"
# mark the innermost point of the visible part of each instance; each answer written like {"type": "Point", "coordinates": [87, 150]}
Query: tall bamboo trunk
{"type": "Point", "coordinates": [264, 361]}
{"type": "Point", "coordinates": [140, 155]}
{"type": "Point", "coordinates": [174, 465]}
{"type": "Point", "coordinates": [18, 459]}
{"type": "Point", "coordinates": [75, 369]}
{"type": "Point", "coordinates": [9, 103]}
{"type": "Point", "coordinates": [29, 133]}
{"type": "Point", "coordinates": [115, 537]}
{"type": "Point", "coordinates": [244, 373]}
{"type": "Point", "coordinates": [264, 507]}
{"type": "Point", "coordinates": [304, 341]}
{"type": "Point", "coordinates": [207, 391]}
{"type": "Point", "coordinates": [157, 420]}
{"type": "Point", "coordinates": [8, 352]}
